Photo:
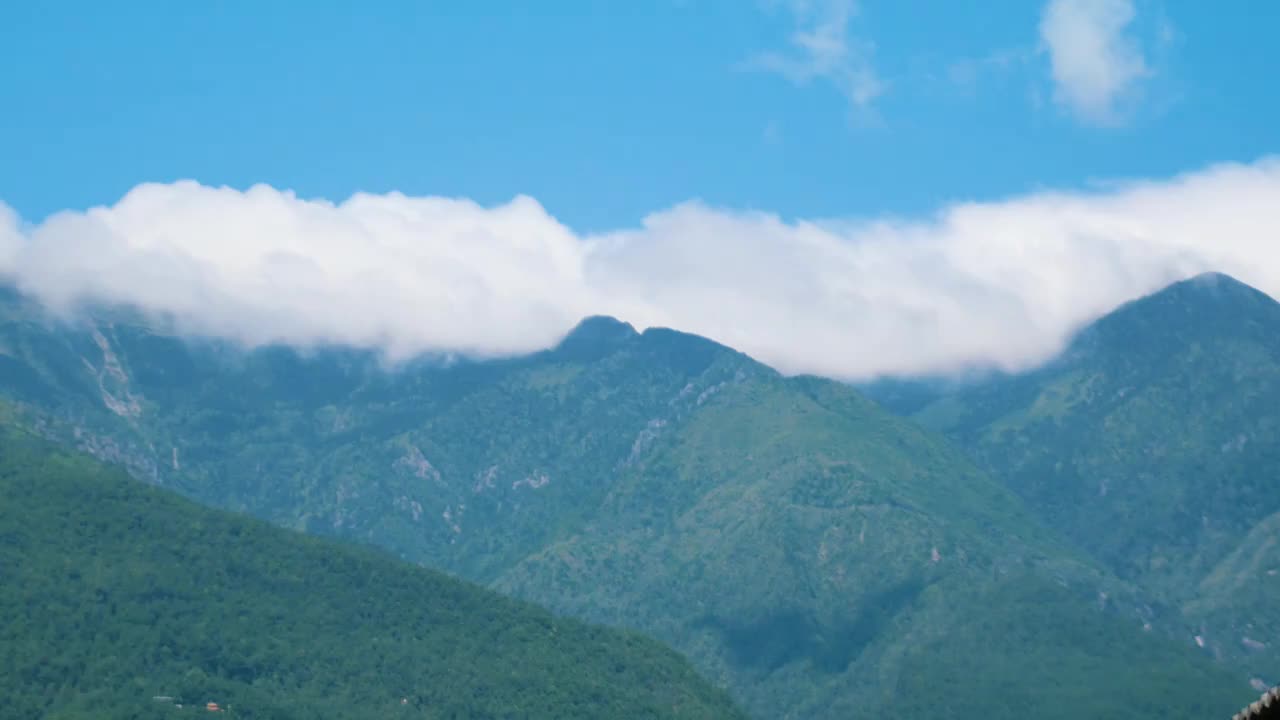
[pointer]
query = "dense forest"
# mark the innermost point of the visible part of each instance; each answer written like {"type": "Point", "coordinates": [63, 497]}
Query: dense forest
{"type": "Point", "coordinates": [803, 547]}
{"type": "Point", "coordinates": [120, 600]}
{"type": "Point", "coordinates": [1153, 444]}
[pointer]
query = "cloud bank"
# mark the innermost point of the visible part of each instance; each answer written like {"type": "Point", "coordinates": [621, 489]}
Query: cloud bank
{"type": "Point", "coordinates": [995, 284]}
{"type": "Point", "coordinates": [1095, 64]}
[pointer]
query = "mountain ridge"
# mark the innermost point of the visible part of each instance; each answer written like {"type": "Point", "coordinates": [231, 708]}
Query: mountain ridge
{"type": "Point", "coordinates": [787, 534]}
{"type": "Point", "coordinates": [1151, 442]}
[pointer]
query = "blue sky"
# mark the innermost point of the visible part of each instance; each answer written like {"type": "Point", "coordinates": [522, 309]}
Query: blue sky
{"type": "Point", "coordinates": [606, 111]}
{"type": "Point", "coordinates": [846, 187]}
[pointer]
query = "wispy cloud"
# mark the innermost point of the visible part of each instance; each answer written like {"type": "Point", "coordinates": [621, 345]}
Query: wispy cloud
{"type": "Point", "coordinates": [965, 74]}
{"type": "Point", "coordinates": [978, 284]}
{"type": "Point", "coordinates": [824, 50]}
{"type": "Point", "coordinates": [1095, 61]}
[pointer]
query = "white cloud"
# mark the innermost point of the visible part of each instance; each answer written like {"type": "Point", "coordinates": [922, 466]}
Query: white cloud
{"type": "Point", "coordinates": [823, 49]}
{"type": "Point", "coordinates": [997, 284]}
{"type": "Point", "coordinates": [10, 238]}
{"type": "Point", "coordinates": [1096, 65]}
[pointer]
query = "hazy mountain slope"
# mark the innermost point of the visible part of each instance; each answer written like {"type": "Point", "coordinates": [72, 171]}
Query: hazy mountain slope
{"type": "Point", "coordinates": [790, 536]}
{"type": "Point", "coordinates": [909, 395]}
{"type": "Point", "coordinates": [115, 592]}
{"type": "Point", "coordinates": [412, 459]}
{"type": "Point", "coordinates": [808, 546]}
{"type": "Point", "coordinates": [1153, 443]}
{"type": "Point", "coordinates": [1033, 642]}
{"type": "Point", "coordinates": [1234, 606]}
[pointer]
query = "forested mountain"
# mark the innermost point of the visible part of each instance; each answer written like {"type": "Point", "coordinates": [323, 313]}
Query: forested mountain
{"type": "Point", "coordinates": [1153, 444]}
{"type": "Point", "coordinates": [805, 548]}
{"type": "Point", "coordinates": [115, 593]}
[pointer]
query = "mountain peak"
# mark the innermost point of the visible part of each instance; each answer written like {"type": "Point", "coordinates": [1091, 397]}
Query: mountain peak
{"type": "Point", "coordinates": [595, 336]}
{"type": "Point", "coordinates": [1209, 292]}
{"type": "Point", "coordinates": [1212, 284]}
{"type": "Point", "coordinates": [1205, 306]}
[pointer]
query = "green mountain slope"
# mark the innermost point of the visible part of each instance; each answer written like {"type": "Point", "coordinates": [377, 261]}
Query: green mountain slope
{"type": "Point", "coordinates": [811, 561]}
{"type": "Point", "coordinates": [797, 542]}
{"type": "Point", "coordinates": [1034, 643]}
{"type": "Point", "coordinates": [1234, 605]}
{"type": "Point", "coordinates": [114, 592]}
{"type": "Point", "coordinates": [1153, 443]}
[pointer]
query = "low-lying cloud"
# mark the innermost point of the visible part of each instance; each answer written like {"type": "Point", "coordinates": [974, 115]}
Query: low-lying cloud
{"type": "Point", "coordinates": [992, 284]}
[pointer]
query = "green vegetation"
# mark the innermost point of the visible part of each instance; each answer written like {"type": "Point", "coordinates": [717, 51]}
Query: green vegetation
{"type": "Point", "coordinates": [114, 593]}
{"type": "Point", "coordinates": [797, 542]}
{"type": "Point", "coordinates": [1153, 444]}
{"type": "Point", "coordinates": [1100, 668]}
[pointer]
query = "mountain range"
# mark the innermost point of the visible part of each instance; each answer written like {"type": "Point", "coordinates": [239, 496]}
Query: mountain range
{"type": "Point", "coordinates": [122, 600]}
{"type": "Point", "coordinates": [1092, 538]}
{"type": "Point", "coordinates": [1151, 443]}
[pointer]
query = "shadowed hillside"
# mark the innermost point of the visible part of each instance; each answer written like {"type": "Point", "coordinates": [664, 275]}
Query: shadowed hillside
{"type": "Point", "coordinates": [115, 593]}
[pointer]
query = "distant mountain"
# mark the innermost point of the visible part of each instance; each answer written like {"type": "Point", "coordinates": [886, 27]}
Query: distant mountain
{"type": "Point", "coordinates": [806, 549]}
{"type": "Point", "coordinates": [909, 395]}
{"type": "Point", "coordinates": [1153, 443]}
{"type": "Point", "coordinates": [115, 593]}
